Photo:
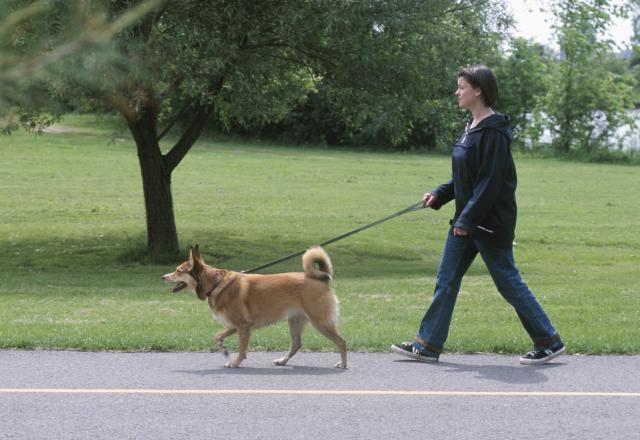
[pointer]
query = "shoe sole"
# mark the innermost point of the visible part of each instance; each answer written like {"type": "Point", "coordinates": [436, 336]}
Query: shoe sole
{"type": "Point", "coordinates": [524, 361]}
{"type": "Point", "coordinates": [414, 356]}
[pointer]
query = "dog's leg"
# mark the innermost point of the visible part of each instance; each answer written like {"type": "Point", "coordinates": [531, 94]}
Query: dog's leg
{"type": "Point", "coordinates": [244, 333]}
{"type": "Point", "coordinates": [296, 326]}
{"type": "Point", "coordinates": [218, 339]}
{"type": "Point", "coordinates": [325, 319]}
{"type": "Point", "coordinates": [331, 332]}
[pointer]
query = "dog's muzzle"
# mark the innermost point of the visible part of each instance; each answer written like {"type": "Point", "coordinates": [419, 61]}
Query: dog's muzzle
{"type": "Point", "coordinates": [178, 287]}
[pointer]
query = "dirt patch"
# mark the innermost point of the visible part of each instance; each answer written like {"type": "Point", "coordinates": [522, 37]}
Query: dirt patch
{"type": "Point", "coordinates": [59, 128]}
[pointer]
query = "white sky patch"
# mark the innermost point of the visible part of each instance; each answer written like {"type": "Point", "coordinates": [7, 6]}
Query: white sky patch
{"type": "Point", "coordinates": [533, 23]}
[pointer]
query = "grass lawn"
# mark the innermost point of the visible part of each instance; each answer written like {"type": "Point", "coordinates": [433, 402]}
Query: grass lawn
{"type": "Point", "coordinates": [72, 218]}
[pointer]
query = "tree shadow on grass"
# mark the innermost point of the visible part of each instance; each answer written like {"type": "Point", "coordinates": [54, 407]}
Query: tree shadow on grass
{"type": "Point", "coordinates": [369, 258]}
{"type": "Point", "coordinates": [219, 249]}
{"type": "Point", "coordinates": [352, 258]}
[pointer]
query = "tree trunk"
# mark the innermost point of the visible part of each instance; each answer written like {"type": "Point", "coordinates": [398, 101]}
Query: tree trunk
{"type": "Point", "coordinates": [162, 235]}
{"type": "Point", "coordinates": [563, 144]}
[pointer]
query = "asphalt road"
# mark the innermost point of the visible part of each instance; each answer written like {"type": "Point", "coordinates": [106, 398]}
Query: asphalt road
{"type": "Point", "coordinates": [75, 395]}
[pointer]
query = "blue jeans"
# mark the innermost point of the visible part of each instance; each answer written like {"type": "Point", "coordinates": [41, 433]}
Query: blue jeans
{"type": "Point", "coordinates": [459, 253]}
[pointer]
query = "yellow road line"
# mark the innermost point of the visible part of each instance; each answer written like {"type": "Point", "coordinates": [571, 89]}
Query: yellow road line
{"type": "Point", "coordinates": [195, 392]}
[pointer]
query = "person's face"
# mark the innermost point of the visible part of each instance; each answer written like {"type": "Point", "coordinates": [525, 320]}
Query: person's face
{"type": "Point", "coordinates": [468, 97]}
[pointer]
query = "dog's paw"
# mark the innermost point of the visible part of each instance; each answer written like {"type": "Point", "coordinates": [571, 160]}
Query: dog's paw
{"type": "Point", "coordinates": [341, 365]}
{"type": "Point", "coordinates": [231, 365]}
{"type": "Point", "coordinates": [280, 362]}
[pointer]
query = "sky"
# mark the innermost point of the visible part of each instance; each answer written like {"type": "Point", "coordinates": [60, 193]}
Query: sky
{"type": "Point", "coordinates": [534, 24]}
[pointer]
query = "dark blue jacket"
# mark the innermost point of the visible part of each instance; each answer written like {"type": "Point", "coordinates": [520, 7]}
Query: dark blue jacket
{"type": "Point", "coordinates": [483, 182]}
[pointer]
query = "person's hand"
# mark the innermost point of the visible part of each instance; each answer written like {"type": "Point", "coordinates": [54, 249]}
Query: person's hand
{"type": "Point", "coordinates": [428, 200]}
{"type": "Point", "coordinates": [459, 232]}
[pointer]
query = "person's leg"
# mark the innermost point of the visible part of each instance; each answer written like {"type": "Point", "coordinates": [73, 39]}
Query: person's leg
{"type": "Point", "coordinates": [457, 256]}
{"type": "Point", "coordinates": [501, 265]}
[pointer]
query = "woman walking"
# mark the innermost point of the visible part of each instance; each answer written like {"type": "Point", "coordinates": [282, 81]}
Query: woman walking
{"type": "Point", "coordinates": [483, 185]}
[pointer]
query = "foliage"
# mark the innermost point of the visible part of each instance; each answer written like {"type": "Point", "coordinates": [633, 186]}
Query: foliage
{"type": "Point", "coordinates": [521, 74]}
{"type": "Point", "coordinates": [381, 72]}
{"type": "Point", "coordinates": [634, 11]}
{"type": "Point", "coordinates": [37, 38]}
{"type": "Point", "coordinates": [586, 101]}
{"type": "Point", "coordinates": [378, 67]}
{"type": "Point", "coordinates": [396, 89]}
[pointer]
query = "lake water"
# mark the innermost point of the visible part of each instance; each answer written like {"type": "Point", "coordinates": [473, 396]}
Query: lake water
{"type": "Point", "coordinates": [626, 138]}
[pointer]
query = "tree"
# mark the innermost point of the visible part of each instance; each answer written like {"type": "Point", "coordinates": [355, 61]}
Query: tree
{"type": "Point", "coordinates": [521, 76]}
{"type": "Point", "coordinates": [635, 45]}
{"type": "Point", "coordinates": [586, 102]}
{"type": "Point", "coordinates": [193, 62]}
{"type": "Point", "coordinates": [405, 78]}
{"type": "Point", "coordinates": [28, 51]}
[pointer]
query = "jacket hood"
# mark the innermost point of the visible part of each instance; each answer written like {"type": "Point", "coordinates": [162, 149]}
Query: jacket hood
{"type": "Point", "coordinates": [497, 121]}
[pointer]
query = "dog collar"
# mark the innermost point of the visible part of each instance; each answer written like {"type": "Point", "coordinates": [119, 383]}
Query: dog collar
{"type": "Point", "coordinates": [220, 287]}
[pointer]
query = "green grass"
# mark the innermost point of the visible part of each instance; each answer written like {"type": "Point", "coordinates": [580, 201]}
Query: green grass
{"type": "Point", "coordinates": [72, 214]}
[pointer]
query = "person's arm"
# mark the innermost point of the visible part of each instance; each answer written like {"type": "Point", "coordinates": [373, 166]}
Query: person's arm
{"type": "Point", "coordinates": [491, 175]}
{"type": "Point", "coordinates": [442, 195]}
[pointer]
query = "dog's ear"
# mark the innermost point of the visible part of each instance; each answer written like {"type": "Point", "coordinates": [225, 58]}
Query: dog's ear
{"type": "Point", "coordinates": [195, 260]}
{"type": "Point", "coordinates": [196, 252]}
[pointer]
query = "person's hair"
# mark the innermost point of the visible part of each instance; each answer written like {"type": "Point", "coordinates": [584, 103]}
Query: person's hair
{"type": "Point", "coordinates": [481, 77]}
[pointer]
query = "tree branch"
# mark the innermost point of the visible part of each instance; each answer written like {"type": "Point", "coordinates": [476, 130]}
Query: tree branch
{"type": "Point", "coordinates": [173, 121]}
{"type": "Point", "coordinates": [190, 136]}
{"type": "Point", "coordinates": [194, 130]}
{"type": "Point", "coordinates": [461, 6]}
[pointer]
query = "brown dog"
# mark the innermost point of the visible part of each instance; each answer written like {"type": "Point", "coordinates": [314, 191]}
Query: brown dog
{"type": "Point", "coordinates": [244, 302]}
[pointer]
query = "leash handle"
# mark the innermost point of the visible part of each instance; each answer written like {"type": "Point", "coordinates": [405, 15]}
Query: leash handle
{"type": "Point", "coordinates": [414, 207]}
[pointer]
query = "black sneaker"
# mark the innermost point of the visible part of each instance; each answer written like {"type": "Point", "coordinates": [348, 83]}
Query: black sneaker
{"type": "Point", "coordinates": [541, 356]}
{"type": "Point", "coordinates": [409, 350]}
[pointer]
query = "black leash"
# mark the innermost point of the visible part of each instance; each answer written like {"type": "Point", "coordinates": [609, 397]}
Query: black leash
{"type": "Point", "coordinates": [414, 207]}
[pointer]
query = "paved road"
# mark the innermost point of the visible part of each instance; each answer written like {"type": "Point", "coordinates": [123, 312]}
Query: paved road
{"type": "Point", "coordinates": [75, 395]}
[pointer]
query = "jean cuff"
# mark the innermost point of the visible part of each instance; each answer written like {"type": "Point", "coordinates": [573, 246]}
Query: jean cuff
{"type": "Point", "coordinates": [424, 346]}
{"type": "Point", "coordinates": [552, 342]}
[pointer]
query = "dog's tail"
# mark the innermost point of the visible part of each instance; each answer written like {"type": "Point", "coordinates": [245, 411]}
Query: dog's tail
{"type": "Point", "coordinates": [317, 256]}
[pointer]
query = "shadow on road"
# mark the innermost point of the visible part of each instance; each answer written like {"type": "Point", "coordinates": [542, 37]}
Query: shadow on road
{"type": "Point", "coordinates": [289, 370]}
{"type": "Point", "coordinates": [499, 373]}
